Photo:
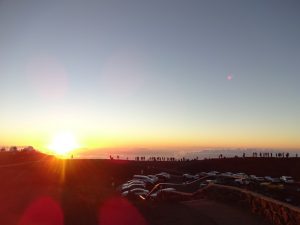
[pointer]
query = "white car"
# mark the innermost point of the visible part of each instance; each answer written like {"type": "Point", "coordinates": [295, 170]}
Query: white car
{"type": "Point", "coordinates": [135, 192]}
{"type": "Point", "coordinates": [150, 179]}
{"type": "Point", "coordinates": [163, 175]}
{"type": "Point", "coordinates": [287, 179]}
{"type": "Point", "coordinates": [268, 178]}
{"type": "Point", "coordinates": [134, 182]}
{"type": "Point", "coordinates": [132, 186]}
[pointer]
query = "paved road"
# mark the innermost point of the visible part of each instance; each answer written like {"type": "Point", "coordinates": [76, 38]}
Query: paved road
{"type": "Point", "coordinates": [219, 213]}
{"type": "Point", "coordinates": [199, 212]}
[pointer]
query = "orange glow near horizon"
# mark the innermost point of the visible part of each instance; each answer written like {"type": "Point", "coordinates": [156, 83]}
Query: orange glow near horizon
{"type": "Point", "coordinates": [62, 143]}
{"type": "Point", "coordinates": [187, 143]}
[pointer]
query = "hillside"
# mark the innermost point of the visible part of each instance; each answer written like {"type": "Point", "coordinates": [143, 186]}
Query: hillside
{"type": "Point", "coordinates": [79, 187]}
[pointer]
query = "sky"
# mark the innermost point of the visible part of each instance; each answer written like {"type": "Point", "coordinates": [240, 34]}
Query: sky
{"type": "Point", "coordinates": [151, 74]}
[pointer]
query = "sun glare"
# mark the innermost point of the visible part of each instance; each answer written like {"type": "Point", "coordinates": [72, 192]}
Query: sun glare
{"type": "Point", "coordinates": [63, 143]}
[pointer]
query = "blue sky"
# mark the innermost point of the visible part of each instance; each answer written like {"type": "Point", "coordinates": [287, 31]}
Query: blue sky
{"type": "Point", "coordinates": [151, 73]}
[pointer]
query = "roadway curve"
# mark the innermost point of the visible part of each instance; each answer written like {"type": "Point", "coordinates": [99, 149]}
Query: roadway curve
{"type": "Point", "coordinates": [199, 212]}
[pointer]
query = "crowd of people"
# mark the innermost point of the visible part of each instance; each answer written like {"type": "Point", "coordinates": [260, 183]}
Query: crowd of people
{"type": "Point", "coordinates": [220, 156]}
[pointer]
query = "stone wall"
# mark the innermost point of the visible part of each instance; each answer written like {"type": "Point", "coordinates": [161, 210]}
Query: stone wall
{"type": "Point", "coordinates": [276, 212]}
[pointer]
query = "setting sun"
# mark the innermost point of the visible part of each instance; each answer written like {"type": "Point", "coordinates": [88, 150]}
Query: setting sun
{"type": "Point", "coordinates": [63, 143]}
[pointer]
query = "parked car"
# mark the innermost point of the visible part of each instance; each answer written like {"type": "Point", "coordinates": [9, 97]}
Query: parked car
{"type": "Point", "coordinates": [134, 182]}
{"type": "Point", "coordinates": [287, 179]}
{"type": "Point", "coordinates": [226, 174]}
{"type": "Point", "coordinates": [202, 174]}
{"type": "Point", "coordinates": [187, 176]}
{"type": "Point", "coordinates": [276, 180]}
{"type": "Point", "coordinates": [148, 179]}
{"type": "Point", "coordinates": [268, 178]}
{"type": "Point", "coordinates": [241, 175]}
{"type": "Point", "coordinates": [154, 178]}
{"type": "Point", "coordinates": [257, 179]}
{"type": "Point", "coordinates": [242, 181]}
{"type": "Point", "coordinates": [272, 179]}
{"type": "Point", "coordinates": [132, 186]}
{"type": "Point", "coordinates": [213, 173]}
{"type": "Point", "coordinates": [210, 181]}
{"type": "Point", "coordinates": [203, 184]}
{"type": "Point", "coordinates": [163, 176]}
{"type": "Point", "coordinates": [136, 192]}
